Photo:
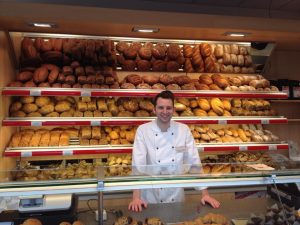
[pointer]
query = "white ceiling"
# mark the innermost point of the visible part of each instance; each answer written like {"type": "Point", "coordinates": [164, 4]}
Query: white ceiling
{"type": "Point", "coordinates": [267, 20]}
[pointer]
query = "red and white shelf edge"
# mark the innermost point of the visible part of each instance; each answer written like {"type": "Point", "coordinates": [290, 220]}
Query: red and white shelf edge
{"type": "Point", "coordinates": [107, 149]}
{"type": "Point", "coordinates": [37, 91]}
{"type": "Point", "coordinates": [134, 121]}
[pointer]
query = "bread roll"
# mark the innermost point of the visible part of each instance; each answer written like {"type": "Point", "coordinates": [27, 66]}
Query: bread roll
{"type": "Point", "coordinates": [204, 104]}
{"type": "Point", "coordinates": [219, 51]}
{"type": "Point", "coordinates": [205, 49]}
{"type": "Point", "coordinates": [217, 106]}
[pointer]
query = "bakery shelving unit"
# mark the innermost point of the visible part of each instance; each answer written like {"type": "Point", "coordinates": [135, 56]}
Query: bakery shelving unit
{"type": "Point", "coordinates": [73, 151]}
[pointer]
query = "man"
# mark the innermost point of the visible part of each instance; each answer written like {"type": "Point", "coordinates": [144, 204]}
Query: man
{"type": "Point", "coordinates": [164, 142]}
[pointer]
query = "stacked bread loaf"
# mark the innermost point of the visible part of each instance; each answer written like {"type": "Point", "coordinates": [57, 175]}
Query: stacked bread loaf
{"type": "Point", "coordinates": [243, 133]}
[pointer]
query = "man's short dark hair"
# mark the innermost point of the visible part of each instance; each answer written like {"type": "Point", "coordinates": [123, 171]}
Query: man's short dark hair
{"type": "Point", "coordinates": [165, 95]}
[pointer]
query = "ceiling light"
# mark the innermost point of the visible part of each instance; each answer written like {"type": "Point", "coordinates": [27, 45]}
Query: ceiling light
{"type": "Point", "coordinates": [236, 34]}
{"type": "Point", "coordinates": [145, 30]}
{"type": "Point", "coordinates": [45, 25]}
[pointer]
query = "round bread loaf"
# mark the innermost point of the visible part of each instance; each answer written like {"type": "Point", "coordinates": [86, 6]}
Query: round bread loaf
{"type": "Point", "coordinates": [122, 46]}
{"type": "Point", "coordinates": [173, 66]}
{"type": "Point", "coordinates": [130, 53]}
{"type": "Point", "coordinates": [143, 65]}
{"type": "Point", "coordinates": [128, 65]}
{"type": "Point", "coordinates": [158, 52]}
{"type": "Point", "coordinates": [159, 65]}
{"type": "Point", "coordinates": [173, 51]}
{"type": "Point", "coordinates": [145, 53]}
{"type": "Point", "coordinates": [151, 79]}
{"type": "Point", "coordinates": [166, 79]}
{"type": "Point", "coordinates": [159, 86]}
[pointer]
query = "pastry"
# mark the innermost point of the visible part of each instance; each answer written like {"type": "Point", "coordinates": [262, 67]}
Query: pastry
{"type": "Point", "coordinates": [151, 79]}
{"type": "Point", "coordinates": [159, 65]}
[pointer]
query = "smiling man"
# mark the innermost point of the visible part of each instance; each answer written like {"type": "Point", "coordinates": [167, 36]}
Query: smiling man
{"type": "Point", "coordinates": [164, 142]}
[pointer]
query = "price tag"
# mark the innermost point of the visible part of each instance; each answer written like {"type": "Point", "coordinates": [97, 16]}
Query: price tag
{"type": "Point", "coordinates": [272, 147]}
{"type": "Point", "coordinates": [26, 154]}
{"type": "Point", "coordinates": [86, 93]}
{"type": "Point", "coordinates": [67, 152]}
{"type": "Point", "coordinates": [243, 148]}
{"type": "Point", "coordinates": [96, 123]}
{"type": "Point", "coordinates": [36, 123]}
{"type": "Point", "coordinates": [201, 148]}
{"type": "Point", "coordinates": [222, 122]}
{"type": "Point", "coordinates": [35, 92]}
{"type": "Point", "coordinates": [265, 122]}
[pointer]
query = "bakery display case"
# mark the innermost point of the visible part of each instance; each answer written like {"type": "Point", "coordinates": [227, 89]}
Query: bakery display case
{"type": "Point", "coordinates": [167, 176]}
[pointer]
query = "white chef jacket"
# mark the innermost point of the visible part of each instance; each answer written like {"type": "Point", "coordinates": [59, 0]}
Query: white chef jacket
{"type": "Point", "coordinates": [172, 148]}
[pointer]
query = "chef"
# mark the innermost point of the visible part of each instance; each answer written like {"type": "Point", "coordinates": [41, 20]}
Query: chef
{"type": "Point", "coordinates": [160, 144]}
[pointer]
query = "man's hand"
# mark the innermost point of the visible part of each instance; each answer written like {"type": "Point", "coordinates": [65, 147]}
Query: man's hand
{"type": "Point", "coordinates": [136, 205]}
{"type": "Point", "coordinates": [206, 198]}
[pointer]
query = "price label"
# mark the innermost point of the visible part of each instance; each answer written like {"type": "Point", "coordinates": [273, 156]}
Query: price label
{"type": "Point", "coordinates": [222, 122]}
{"type": "Point", "coordinates": [201, 148]}
{"type": "Point", "coordinates": [26, 154]}
{"type": "Point", "coordinates": [265, 122]}
{"type": "Point", "coordinates": [272, 147]}
{"type": "Point", "coordinates": [96, 123]}
{"type": "Point", "coordinates": [67, 152]}
{"type": "Point", "coordinates": [35, 92]}
{"type": "Point", "coordinates": [36, 123]}
{"type": "Point", "coordinates": [86, 93]}
{"type": "Point", "coordinates": [243, 148]}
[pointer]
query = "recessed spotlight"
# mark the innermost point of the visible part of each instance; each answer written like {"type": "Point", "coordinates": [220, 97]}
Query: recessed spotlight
{"type": "Point", "coordinates": [45, 25]}
{"type": "Point", "coordinates": [237, 34]}
{"type": "Point", "coordinates": [145, 30]}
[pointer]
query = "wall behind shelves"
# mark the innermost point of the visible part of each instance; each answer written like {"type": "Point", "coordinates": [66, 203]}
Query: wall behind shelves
{"type": "Point", "coordinates": [284, 65]}
{"type": "Point", "coordinates": [7, 74]}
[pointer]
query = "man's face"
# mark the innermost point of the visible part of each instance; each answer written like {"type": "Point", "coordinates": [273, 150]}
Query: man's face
{"type": "Point", "coordinates": [164, 110]}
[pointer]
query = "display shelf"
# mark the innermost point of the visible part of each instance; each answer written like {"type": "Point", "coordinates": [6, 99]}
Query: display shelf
{"type": "Point", "coordinates": [22, 91]}
{"type": "Point", "coordinates": [129, 121]}
{"type": "Point", "coordinates": [150, 178]}
{"type": "Point", "coordinates": [110, 149]}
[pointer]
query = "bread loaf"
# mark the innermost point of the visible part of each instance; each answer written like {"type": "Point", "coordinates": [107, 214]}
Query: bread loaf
{"type": "Point", "coordinates": [217, 106]}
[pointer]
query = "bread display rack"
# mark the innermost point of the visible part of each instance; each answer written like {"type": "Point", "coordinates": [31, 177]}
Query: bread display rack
{"type": "Point", "coordinates": [203, 65]}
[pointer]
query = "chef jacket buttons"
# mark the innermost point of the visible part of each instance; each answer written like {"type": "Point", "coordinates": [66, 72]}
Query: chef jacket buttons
{"type": "Point", "coordinates": [172, 146]}
{"type": "Point", "coordinates": [172, 160]}
{"type": "Point", "coordinates": [156, 134]}
{"type": "Point", "coordinates": [172, 199]}
{"type": "Point", "coordinates": [172, 133]}
{"type": "Point", "coordinates": [161, 200]}
{"type": "Point", "coordinates": [157, 148]}
{"type": "Point", "coordinates": [159, 161]}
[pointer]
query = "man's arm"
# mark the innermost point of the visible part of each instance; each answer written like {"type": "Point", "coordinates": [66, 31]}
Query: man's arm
{"type": "Point", "coordinates": [206, 198]}
{"type": "Point", "coordinates": [138, 159]}
{"type": "Point", "coordinates": [137, 203]}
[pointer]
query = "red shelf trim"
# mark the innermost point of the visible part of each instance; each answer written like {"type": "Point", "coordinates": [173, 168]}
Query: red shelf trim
{"type": "Point", "coordinates": [144, 93]}
{"type": "Point", "coordinates": [129, 150]}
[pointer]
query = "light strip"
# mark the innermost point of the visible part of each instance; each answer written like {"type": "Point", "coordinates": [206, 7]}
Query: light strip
{"type": "Point", "coordinates": [45, 25]}
{"type": "Point", "coordinates": [236, 34]}
{"type": "Point", "coordinates": [145, 30]}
